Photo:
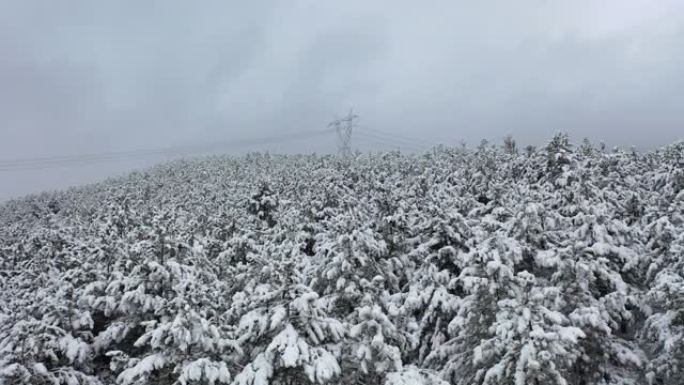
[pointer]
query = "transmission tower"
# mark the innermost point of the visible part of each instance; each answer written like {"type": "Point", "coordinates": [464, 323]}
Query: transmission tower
{"type": "Point", "coordinates": [343, 128]}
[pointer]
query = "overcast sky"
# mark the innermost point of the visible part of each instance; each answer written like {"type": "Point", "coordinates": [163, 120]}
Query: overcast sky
{"type": "Point", "coordinates": [91, 76]}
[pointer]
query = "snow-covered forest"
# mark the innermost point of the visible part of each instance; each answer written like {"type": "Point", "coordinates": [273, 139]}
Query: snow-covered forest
{"type": "Point", "coordinates": [487, 265]}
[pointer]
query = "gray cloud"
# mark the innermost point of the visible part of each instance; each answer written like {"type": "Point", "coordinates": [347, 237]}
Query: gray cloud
{"type": "Point", "coordinates": [88, 77]}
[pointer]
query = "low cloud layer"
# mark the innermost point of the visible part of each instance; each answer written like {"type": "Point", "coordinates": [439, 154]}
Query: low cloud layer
{"type": "Point", "coordinates": [90, 77]}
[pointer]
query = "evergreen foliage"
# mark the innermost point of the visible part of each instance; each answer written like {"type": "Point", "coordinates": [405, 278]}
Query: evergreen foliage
{"type": "Point", "coordinates": [492, 266]}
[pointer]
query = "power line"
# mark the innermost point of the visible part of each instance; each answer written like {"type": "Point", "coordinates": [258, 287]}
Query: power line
{"type": "Point", "coordinates": [76, 162]}
{"type": "Point", "coordinates": [343, 127]}
{"type": "Point", "coordinates": [171, 150]}
{"type": "Point", "coordinates": [53, 161]}
{"type": "Point", "coordinates": [387, 141]}
{"type": "Point", "coordinates": [397, 136]}
{"type": "Point", "coordinates": [391, 142]}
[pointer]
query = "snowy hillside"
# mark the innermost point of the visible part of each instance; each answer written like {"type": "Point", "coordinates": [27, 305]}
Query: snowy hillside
{"type": "Point", "coordinates": [563, 265]}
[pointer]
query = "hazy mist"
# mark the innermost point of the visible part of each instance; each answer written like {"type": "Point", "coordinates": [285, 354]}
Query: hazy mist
{"type": "Point", "coordinates": [89, 77]}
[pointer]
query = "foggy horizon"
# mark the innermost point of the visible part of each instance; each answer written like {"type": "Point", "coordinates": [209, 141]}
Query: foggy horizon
{"type": "Point", "coordinates": [85, 78]}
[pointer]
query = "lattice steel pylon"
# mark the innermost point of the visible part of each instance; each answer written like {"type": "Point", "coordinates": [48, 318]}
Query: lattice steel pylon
{"type": "Point", "coordinates": [344, 128]}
